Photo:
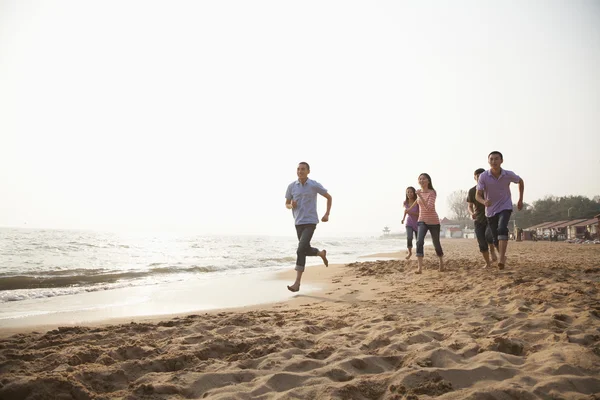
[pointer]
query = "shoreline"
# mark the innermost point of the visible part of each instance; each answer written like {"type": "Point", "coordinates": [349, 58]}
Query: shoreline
{"type": "Point", "coordinates": [156, 303]}
{"type": "Point", "coordinates": [373, 330]}
{"type": "Point", "coordinates": [159, 302]}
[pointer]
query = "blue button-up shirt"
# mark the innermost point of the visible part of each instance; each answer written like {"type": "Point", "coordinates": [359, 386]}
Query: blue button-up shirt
{"type": "Point", "coordinates": [306, 197]}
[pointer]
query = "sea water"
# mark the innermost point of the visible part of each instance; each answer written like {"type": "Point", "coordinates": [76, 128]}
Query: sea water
{"type": "Point", "coordinates": [44, 264]}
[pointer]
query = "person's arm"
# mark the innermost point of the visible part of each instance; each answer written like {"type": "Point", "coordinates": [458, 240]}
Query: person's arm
{"type": "Point", "coordinates": [289, 204]}
{"type": "Point", "coordinates": [430, 203]}
{"type": "Point", "coordinates": [421, 200]}
{"type": "Point", "coordinates": [329, 201]}
{"type": "Point", "coordinates": [479, 198]}
{"type": "Point", "coordinates": [410, 210]}
{"type": "Point", "coordinates": [471, 209]}
{"type": "Point", "coordinates": [521, 190]}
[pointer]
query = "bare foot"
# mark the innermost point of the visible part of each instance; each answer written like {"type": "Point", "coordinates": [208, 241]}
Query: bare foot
{"type": "Point", "coordinates": [494, 258]}
{"type": "Point", "coordinates": [419, 271]}
{"type": "Point", "coordinates": [409, 254]}
{"type": "Point", "coordinates": [293, 288]}
{"type": "Point", "coordinates": [323, 255]}
{"type": "Point", "coordinates": [485, 266]}
{"type": "Point", "coordinates": [502, 263]}
{"type": "Point", "coordinates": [442, 269]}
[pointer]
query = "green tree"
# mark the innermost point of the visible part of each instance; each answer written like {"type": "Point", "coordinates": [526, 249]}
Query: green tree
{"type": "Point", "coordinates": [553, 208]}
{"type": "Point", "coordinates": [523, 218]}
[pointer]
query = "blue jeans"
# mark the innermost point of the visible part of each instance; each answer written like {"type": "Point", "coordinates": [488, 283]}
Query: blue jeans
{"type": "Point", "coordinates": [435, 238]}
{"type": "Point", "coordinates": [409, 236]}
{"type": "Point", "coordinates": [305, 233]}
{"type": "Point", "coordinates": [499, 225]}
{"type": "Point", "coordinates": [484, 236]}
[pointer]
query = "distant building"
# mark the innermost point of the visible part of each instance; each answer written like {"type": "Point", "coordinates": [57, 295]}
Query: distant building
{"type": "Point", "coordinates": [545, 229]}
{"type": "Point", "coordinates": [556, 230]}
{"type": "Point", "coordinates": [579, 229]}
{"type": "Point", "coordinates": [469, 233]}
{"type": "Point", "coordinates": [563, 227]}
{"type": "Point", "coordinates": [450, 229]}
{"type": "Point", "coordinates": [568, 229]}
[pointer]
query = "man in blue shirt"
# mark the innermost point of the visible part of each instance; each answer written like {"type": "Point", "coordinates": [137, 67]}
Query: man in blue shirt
{"type": "Point", "coordinates": [301, 198]}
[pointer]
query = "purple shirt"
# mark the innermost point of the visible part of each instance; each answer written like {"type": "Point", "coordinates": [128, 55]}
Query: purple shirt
{"type": "Point", "coordinates": [497, 190]}
{"type": "Point", "coordinates": [410, 220]}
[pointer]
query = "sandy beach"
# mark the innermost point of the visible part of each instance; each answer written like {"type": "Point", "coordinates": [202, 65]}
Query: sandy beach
{"type": "Point", "coordinates": [375, 330]}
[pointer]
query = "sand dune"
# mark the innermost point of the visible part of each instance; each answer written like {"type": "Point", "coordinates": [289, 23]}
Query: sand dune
{"type": "Point", "coordinates": [377, 331]}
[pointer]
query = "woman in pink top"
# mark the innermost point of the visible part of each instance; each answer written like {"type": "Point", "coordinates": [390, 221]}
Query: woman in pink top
{"type": "Point", "coordinates": [428, 220]}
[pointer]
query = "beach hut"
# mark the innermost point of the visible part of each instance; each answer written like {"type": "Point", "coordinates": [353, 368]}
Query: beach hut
{"type": "Point", "coordinates": [539, 229]}
{"type": "Point", "coordinates": [450, 229]}
{"type": "Point", "coordinates": [563, 227]}
{"type": "Point", "coordinates": [529, 232]}
{"type": "Point", "coordinates": [554, 231]}
{"type": "Point", "coordinates": [469, 233]}
{"type": "Point", "coordinates": [578, 230]}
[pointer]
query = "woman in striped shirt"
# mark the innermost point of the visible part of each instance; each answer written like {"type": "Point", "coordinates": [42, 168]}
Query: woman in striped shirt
{"type": "Point", "coordinates": [428, 220]}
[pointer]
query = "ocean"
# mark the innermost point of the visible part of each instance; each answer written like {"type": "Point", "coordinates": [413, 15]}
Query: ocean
{"type": "Point", "coordinates": [42, 264]}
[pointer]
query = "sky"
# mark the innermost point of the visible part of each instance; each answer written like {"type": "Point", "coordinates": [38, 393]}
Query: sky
{"type": "Point", "coordinates": [193, 116]}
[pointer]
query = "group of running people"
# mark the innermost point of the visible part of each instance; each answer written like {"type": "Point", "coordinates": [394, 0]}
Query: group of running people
{"type": "Point", "coordinates": [489, 204]}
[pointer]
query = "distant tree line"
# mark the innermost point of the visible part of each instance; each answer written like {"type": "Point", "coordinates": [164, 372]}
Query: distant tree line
{"type": "Point", "coordinates": [550, 208]}
{"type": "Point", "coordinates": [553, 208]}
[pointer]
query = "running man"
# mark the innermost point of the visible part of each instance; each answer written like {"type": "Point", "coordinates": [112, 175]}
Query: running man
{"type": "Point", "coordinates": [301, 198]}
{"type": "Point", "coordinates": [482, 232]}
{"type": "Point", "coordinates": [493, 191]}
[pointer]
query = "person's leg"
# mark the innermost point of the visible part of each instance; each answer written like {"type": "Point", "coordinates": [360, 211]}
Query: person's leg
{"type": "Point", "coordinates": [305, 233]}
{"type": "Point", "coordinates": [480, 233]}
{"type": "Point", "coordinates": [312, 251]}
{"type": "Point", "coordinates": [435, 238]}
{"type": "Point", "coordinates": [503, 218]}
{"type": "Point", "coordinates": [493, 227]}
{"type": "Point", "coordinates": [490, 241]}
{"type": "Point", "coordinates": [409, 240]}
{"type": "Point", "coordinates": [421, 232]}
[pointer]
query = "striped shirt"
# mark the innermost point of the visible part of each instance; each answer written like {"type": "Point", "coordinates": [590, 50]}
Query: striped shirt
{"type": "Point", "coordinates": [427, 213]}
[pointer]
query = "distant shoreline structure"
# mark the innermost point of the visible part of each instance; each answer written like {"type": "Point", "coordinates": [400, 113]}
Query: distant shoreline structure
{"type": "Point", "coordinates": [393, 236]}
{"type": "Point", "coordinates": [387, 234]}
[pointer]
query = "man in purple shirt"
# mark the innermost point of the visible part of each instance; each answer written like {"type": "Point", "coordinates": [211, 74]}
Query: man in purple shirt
{"type": "Point", "coordinates": [493, 191]}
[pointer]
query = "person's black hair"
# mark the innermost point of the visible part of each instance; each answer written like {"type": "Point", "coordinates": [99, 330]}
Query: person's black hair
{"type": "Point", "coordinates": [497, 152]}
{"type": "Point", "coordinates": [305, 163]}
{"type": "Point", "coordinates": [479, 171]}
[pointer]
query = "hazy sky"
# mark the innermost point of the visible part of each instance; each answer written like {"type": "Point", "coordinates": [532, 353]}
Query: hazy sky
{"type": "Point", "coordinates": [194, 114]}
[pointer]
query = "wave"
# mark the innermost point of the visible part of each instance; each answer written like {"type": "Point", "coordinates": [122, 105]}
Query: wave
{"type": "Point", "coordinates": [178, 270]}
{"type": "Point", "coordinates": [278, 259]}
{"type": "Point", "coordinates": [83, 277]}
{"type": "Point", "coordinates": [82, 244]}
